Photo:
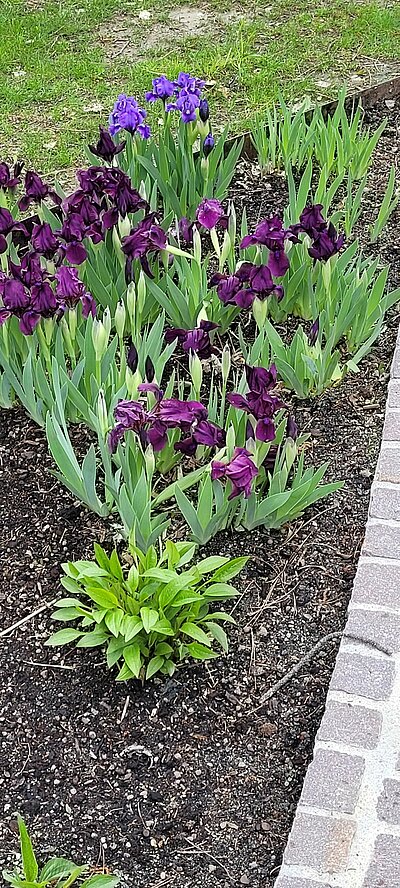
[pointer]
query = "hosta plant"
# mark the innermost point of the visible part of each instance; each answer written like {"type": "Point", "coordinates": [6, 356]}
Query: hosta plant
{"type": "Point", "coordinates": [56, 872]}
{"type": "Point", "coordinates": [149, 612]}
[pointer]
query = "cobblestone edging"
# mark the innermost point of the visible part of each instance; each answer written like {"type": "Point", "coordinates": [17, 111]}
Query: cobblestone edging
{"type": "Point", "coordinates": [346, 832]}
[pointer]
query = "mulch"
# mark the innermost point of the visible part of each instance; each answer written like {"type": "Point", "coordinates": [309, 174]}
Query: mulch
{"type": "Point", "coordinates": [181, 783]}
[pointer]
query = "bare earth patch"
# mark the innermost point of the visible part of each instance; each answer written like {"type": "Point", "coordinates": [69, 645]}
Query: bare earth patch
{"type": "Point", "coordinates": [133, 37]}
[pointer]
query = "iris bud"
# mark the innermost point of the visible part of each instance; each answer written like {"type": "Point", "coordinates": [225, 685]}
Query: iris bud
{"type": "Point", "coordinates": [102, 414]}
{"type": "Point", "coordinates": [119, 320]}
{"type": "Point", "coordinates": [260, 312]}
{"type": "Point", "coordinates": [133, 358]}
{"type": "Point", "coordinates": [149, 369]}
{"type": "Point", "coordinates": [196, 372]}
{"type": "Point", "coordinates": [208, 144]}
{"type": "Point", "coordinates": [226, 364]}
{"type": "Point", "coordinates": [204, 110]}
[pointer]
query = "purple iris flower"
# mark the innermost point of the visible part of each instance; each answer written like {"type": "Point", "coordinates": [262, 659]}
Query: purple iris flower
{"type": "Point", "coordinates": [326, 244]}
{"type": "Point", "coordinates": [147, 237]}
{"type": "Point", "coordinates": [29, 272]}
{"type": "Point", "coordinates": [209, 212]}
{"type": "Point", "coordinates": [7, 225]}
{"type": "Point", "coordinates": [9, 180]}
{"type": "Point", "coordinates": [162, 89]}
{"type": "Point", "coordinates": [268, 233]}
{"type": "Point", "coordinates": [36, 191]}
{"type": "Point", "coordinates": [71, 291]}
{"type": "Point", "coordinates": [43, 240]}
{"type": "Point", "coordinates": [185, 230]}
{"type": "Point", "coordinates": [151, 426]}
{"type": "Point", "coordinates": [188, 82]}
{"type": "Point", "coordinates": [126, 115]}
{"type": "Point", "coordinates": [204, 110]}
{"type": "Point", "coordinates": [174, 412]}
{"type": "Point", "coordinates": [312, 221]}
{"type": "Point", "coordinates": [187, 104]}
{"type": "Point", "coordinates": [314, 332]}
{"type": "Point", "coordinates": [106, 147]}
{"type": "Point", "coordinates": [240, 471]}
{"type": "Point", "coordinates": [44, 299]}
{"type": "Point", "coordinates": [73, 232]}
{"type": "Point", "coordinates": [17, 301]}
{"type": "Point", "coordinates": [208, 144]}
{"type": "Point", "coordinates": [197, 340]}
{"type": "Point", "coordinates": [204, 432]}
{"type": "Point", "coordinates": [258, 402]}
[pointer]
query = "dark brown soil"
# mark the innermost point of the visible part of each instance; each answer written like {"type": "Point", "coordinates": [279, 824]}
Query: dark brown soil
{"type": "Point", "coordinates": [180, 783]}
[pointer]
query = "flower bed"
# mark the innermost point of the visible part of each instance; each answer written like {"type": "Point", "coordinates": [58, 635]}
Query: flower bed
{"type": "Point", "coordinates": [163, 780]}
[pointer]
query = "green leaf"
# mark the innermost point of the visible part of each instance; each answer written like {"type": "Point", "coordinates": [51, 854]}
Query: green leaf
{"type": "Point", "coordinates": [29, 861]}
{"type": "Point", "coordinates": [131, 626]}
{"type": "Point", "coordinates": [101, 881]}
{"type": "Point", "coordinates": [132, 658]}
{"type": "Point", "coordinates": [113, 620]}
{"type": "Point", "coordinates": [149, 617]}
{"type": "Point", "coordinates": [63, 636]}
{"type": "Point", "coordinates": [214, 562]}
{"type": "Point", "coordinates": [220, 590]}
{"type": "Point", "coordinates": [196, 632]}
{"type": "Point", "coordinates": [57, 868]}
{"type": "Point", "coordinates": [199, 652]}
{"type": "Point", "coordinates": [163, 627]}
{"type": "Point", "coordinates": [102, 597]}
{"type": "Point", "coordinates": [231, 569]}
{"type": "Point", "coordinates": [219, 634]}
{"type": "Point", "coordinates": [154, 665]}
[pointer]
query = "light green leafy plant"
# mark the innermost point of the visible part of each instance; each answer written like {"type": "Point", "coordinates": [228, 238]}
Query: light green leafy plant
{"type": "Point", "coordinates": [150, 613]}
{"type": "Point", "coordinates": [56, 873]}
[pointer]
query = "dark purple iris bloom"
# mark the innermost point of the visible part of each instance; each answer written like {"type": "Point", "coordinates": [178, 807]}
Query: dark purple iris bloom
{"type": "Point", "coordinates": [175, 413]}
{"type": "Point", "coordinates": [208, 144]}
{"type": "Point", "coordinates": [204, 110]}
{"type": "Point", "coordinates": [197, 340]}
{"type": "Point", "coordinates": [71, 291]}
{"type": "Point", "coordinates": [126, 199]}
{"type": "Point", "coordinates": [9, 180]}
{"type": "Point", "coordinates": [162, 89]}
{"type": "Point", "coordinates": [185, 230]}
{"type": "Point", "coordinates": [314, 332]}
{"type": "Point", "coordinates": [44, 299]}
{"type": "Point", "coordinates": [43, 240]}
{"type": "Point", "coordinates": [259, 379]}
{"type": "Point", "coordinates": [7, 225]}
{"type": "Point", "coordinates": [232, 290]}
{"type": "Point", "coordinates": [209, 212]}
{"type": "Point", "coordinates": [258, 402]}
{"type": "Point", "coordinates": [17, 301]}
{"type": "Point", "coordinates": [326, 244]}
{"type": "Point", "coordinates": [73, 231]}
{"type": "Point", "coordinates": [147, 237]}
{"type": "Point", "coordinates": [152, 426]}
{"type": "Point", "coordinates": [29, 272]}
{"type": "Point", "coordinates": [106, 147]}
{"type": "Point", "coordinates": [269, 233]}
{"type": "Point", "coordinates": [36, 191]}
{"type": "Point", "coordinates": [126, 115]}
{"type": "Point", "coordinates": [240, 471]}
{"type": "Point", "coordinates": [204, 432]}
{"type": "Point", "coordinates": [291, 428]}
{"type": "Point", "coordinates": [87, 207]}
{"type": "Point", "coordinates": [312, 221]}
{"type": "Point", "coordinates": [187, 104]}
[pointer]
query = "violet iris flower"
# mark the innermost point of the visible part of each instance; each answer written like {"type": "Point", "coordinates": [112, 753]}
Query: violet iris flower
{"type": "Point", "coordinates": [151, 426]}
{"type": "Point", "coordinates": [197, 340]}
{"type": "Point", "coordinates": [231, 289]}
{"type": "Point", "coordinates": [71, 291]}
{"type": "Point", "coordinates": [29, 272]}
{"type": "Point", "coordinates": [240, 471]}
{"type": "Point", "coordinates": [312, 220]}
{"type": "Point", "coordinates": [191, 84]}
{"type": "Point", "coordinates": [44, 240]}
{"type": "Point", "coordinates": [106, 147]}
{"type": "Point", "coordinates": [148, 237]}
{"type": "Point", "coordinates": [36, 191]}
{"type": "Point", "coordinates": [270, 233]}
{"type": "Point", "coordinates": [187, 104]}
{"type": "Point", "coordinates": [126, 115]}
{"type": "Point", "coordinates": [185, 230]}
{"type": "Point", "coordinates": [9, 180]}
{"type": "Point", "coordinates": [258, 402]}
{"type": "Point", "coordinates": [18, 301]}
{"type": "Point", "coordinates": [208, 144]}
{"type": "Point", "coordinates": [209, 212]}
{"type": "Point", "coordinates": [162, 89]}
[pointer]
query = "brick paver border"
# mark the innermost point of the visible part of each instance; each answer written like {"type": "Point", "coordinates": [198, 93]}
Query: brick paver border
{"type": "Point", "coordinates": [346, 832]}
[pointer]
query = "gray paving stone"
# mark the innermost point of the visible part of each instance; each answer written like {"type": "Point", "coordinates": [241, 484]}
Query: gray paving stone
{"type": "Point", "coordinates": [322, 843]}
{"type": "Point", "coordinates": [388, 468]}
{"type": "Point", "coordinates": [377, 583]}
{"type": "Point", "coordinates": [288, 882]}
{"type": "Point", "coordinates": [395, 371]}
{"type": "Point", "coordinates": [382, 539]}
{"type": "Point", "coordinates": [391, 429]}
{"type": "Point", "coordinates": [384, 870]}
{"type": "Point", "coordinates": [385, 502]}
{"type": "Point", "coordinates": [388, 807]}
{"type": "Point", "coordinates": [394, 393]}
{"type": "Point", "coordinates": [377, 627]}
{"type": "Point", "coordinates": [333, 781]}
{"type": "Point", "coordinates": [362, 675]}
{"type": "Point", "coordinates": [353, 725]}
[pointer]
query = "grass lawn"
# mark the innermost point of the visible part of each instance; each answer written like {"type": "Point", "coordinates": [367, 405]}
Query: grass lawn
{"type": "Point", "coordinates": [62, 63]}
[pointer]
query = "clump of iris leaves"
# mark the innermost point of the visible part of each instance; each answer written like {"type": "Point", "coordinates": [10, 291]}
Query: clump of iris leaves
{"type": "Point", "coordinates": [143, 307]}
